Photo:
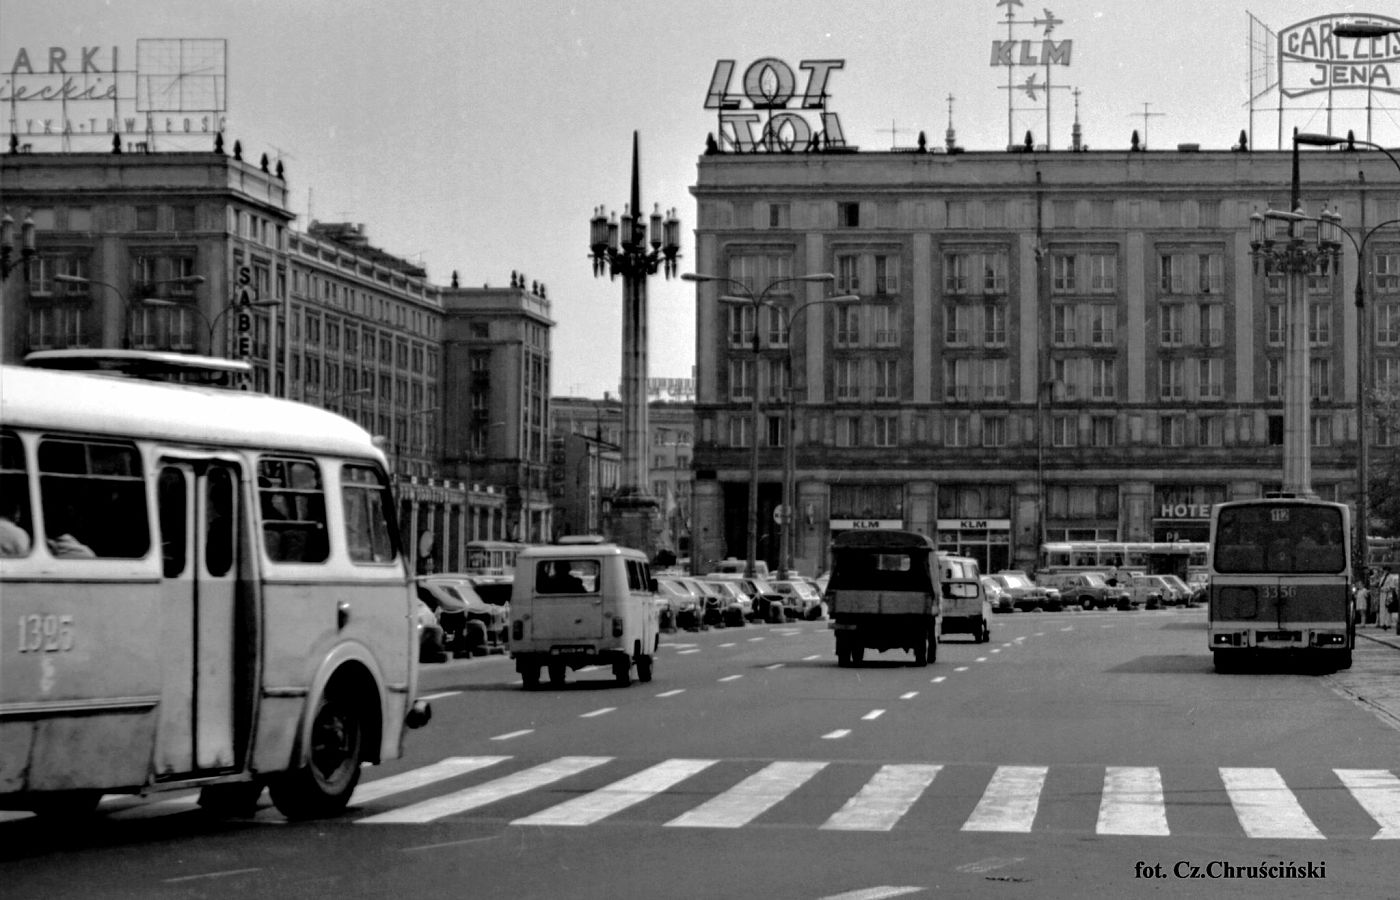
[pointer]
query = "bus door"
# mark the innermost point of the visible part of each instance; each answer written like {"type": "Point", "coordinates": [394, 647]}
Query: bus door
{"type": "Point", "coordinates": [200, 526]}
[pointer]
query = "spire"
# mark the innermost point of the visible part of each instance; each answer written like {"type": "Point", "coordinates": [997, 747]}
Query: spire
{"type": "Point", "coordinates": [636, 204]}
{"type": "Point", "coordinates": [1076, 134]}
{"type": "Point", "coordinates": [950, 137]}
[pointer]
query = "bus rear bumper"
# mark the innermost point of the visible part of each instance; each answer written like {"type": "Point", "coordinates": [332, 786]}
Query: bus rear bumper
{"type": "Point", "coordinates": [1279, 639]}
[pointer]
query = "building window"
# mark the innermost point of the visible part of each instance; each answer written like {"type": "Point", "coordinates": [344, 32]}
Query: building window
{"type": "Point", "coordinates": [848, 431]}
{"type": "Point", "coordinates": [1273, 378]}
{"type": "Point", "coordinates": [775, 426]}
{"type": "Point", "coordinates": [1275, 324]}
{"type": "Point", "coordinates": [1173, 431]}
{"type": "Point", "coordinates": [1103, 273]}
{"type": "Point", "coordinates": [1102, 383]}
{"type": "Point", "coordinates": [848, 215]}
{"type": "Point", "coordinates": [1211, 381]}
{"type": "Point", "coordinates": [760, 271]}
{"type": "Point", "coordinates": [779, 215]}
{"type": "Point", "coordinates": [847, 324]}
{"type": "Point", "coordinates": [959, 428]}
{"type": "Point", "coordinates": [1064, 431]}
{"type": "Point", "coordinates": [886, 325]}
{"type": "Point", "coordinates": [994, 379]}
{"type": "Point", "coordinates": [994, 325]}
{"type": "Point", "coordinates": [1320, 378]}
{"type": "Point", "coordinates": [778, 379]}
{"type": "Point", "coordinates": [740, 431]}
{"type": "Point", "coordinates": [1319, 324]}
{"type": "Point", "coordinates": [848, 379]}
{"type": "Point", "coordinates": [1172, 273]}
{"type": "Point", "coordinates": [886, 379]}
{"type": "Point", "coordinates": [993, 273]}
{"type": "Point", "coordinates": [741, 379]}
{"type": "Point", "coordinates": [1172, 316]}
{"type": "Point", "coordinates": [957, 379]}
{"type": "Point", "coordinates": [1062, 273]}
{"type": "Point", "coordinates": [994, 431]}
{"type": "Point", "coordinates": [957, 319]}
{"type": "Point", "coordinates": [1388, 324]}
{"type": "Point", "coordinates": [1101, 319]}
{"type": "Point", "coordinates": [1062, 325]}
{"type": "Point", "coordinates": [1210, 273]}
{"type": "Point", "coordinates": [886, 431]}
{"type": "Point", "coordinates": [1321, 428]}
{"type": "Point", "coordinates": [1104, 432]}
{"type": "Point", "coordinates": [955, 273]}
{"type": "Point", "coordinates": [848, 273]}
{"type": "Point", "coordinates": [886, 274]}
{"type": "Point", "coordinates": [778, 326]}
{"type": "Point", "coordinates": [1212, 431]}
{"type": "Point", "coordinates": [1320, 278]}
{"type": "Point", "coordinates": [741, 325]}
{"type": "Point", "coordinates": [1211, 324]}
{"type": "Point", "coordinates": [1172, 379]}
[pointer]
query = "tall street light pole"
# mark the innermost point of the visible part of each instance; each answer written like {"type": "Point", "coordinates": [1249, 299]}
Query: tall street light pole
{"type": "Point", "coordinates": [746, 296]}
{"type": "Point", "coordinates": [1297, 259]}
{"type": "Point", "coordinates": [13, 255]}
{"type": "Point", "coordinates": [622, 249]}
{"type": "Point", "coordinates": [1363, 344]}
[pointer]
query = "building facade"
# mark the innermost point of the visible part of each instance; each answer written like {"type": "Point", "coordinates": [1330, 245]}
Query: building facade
{"type": "Point", "coordinates": [196, 252]}
{"type": "Point", "coordinates": [1046, 346]}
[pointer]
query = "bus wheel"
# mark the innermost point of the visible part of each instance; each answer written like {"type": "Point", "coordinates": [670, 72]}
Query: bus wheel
{"type": "Point", "coordinates": [644, 669]}
{"type": "Point", "coordinates": [323, 786]}
{"type": "Point", "coordinates": [622, 671]}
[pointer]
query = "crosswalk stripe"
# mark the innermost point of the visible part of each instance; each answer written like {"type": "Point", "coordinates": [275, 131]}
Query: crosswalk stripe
{"type": "Point", "coordinates": [598, 805]}
{"type": "Point", "coordinates": [1010, 801]}
{"type": "Point", "coordinates": [416, 778]}
{"type": "Point", "coordinates": [1378, 792]}
{"type": "Point", "coordinates": [750, 798]}
{"type": "Point", "coordinates": [1265, 806]}
{"type": "Point", "coordinates": [884, 799]}
{"type": "Point", "coordinates": [1132, 801]}
{"type": "Point", "coordinates": [482, 794]}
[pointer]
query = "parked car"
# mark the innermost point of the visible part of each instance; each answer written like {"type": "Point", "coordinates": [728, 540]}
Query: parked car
{"type": "Point", "coordinates": [680, 600]}
{"type": "Point", "coordinates": [800, 599]}
{"type": "Point", "coordinates": [733, 604]}
{"type": "Point", "coordinates": [998, 596]}
{"type": "Point", "coordinates": [1146, 591]}
{"type": "Point", "coordinates": [1199, 583]}
{"type": "Point", "coordinates": [1026, 594]}
{"type": "Point", "coordinates": [764, 599]}
{"type": "Point", "coordinates": [1087, 589]}
{"type": "Point", "coordinates": [1181, 591]}
{"type": "Point", "coordinates": [472, 626]}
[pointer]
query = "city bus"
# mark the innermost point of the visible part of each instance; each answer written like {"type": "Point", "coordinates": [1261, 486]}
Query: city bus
{"type": "Point", "coordinates": [1280, 580]}
{"type": "Point", "coordinates": [1180, 558]}
{"type": "Point", "coordinates": [495, 558]}
{"type": "Point", "coordinates": [199, 587]}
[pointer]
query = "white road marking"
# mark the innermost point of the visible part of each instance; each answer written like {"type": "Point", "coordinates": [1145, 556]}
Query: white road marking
{"type": "Point", "coordinates": [671, 693]}
{"type": "Point", "coordinates": [513, 734]}
{"type": "Point", "coordinates": [730, 644]}
{"type": "Point", "coordinates": [416, 778]}
{"type": "Point", "coordinates": [490, 792]}
{"type": "Point", "coordinates": [872, 715]}
{"type": "Point", "coordinates": [1132, 801]}
{"type": "Point", "coordinates": [1068, 628]}
{"type": "Point", "coordinates": [774, 666]}
{"type": "Point", "coordinates": [1265, 806]}
{"type": "Point", "coordinates": [836, 735]}
{"type": "Point", "coordinates": [812, 657]}
{"type": "Point", "coordinates": [223, 874]}
{"type": "Point", "coordinates": [1378, 792]}
{"type": "Point", "coordinates": [598, 805]}
{"type": "Point", "coordinates": [731, 677]}
{"type": "Point", "coordinates": [598, 712]}
{"type": "Point", "coordinates": [996, 650]}
{"type": "Point", "coordinates": [750, 798]}
{"type": "Point", "coordinates": [942, 678]}
{"type": "Point", "coordinates": [908, 695]}
{"type": "Point", "coordinates": [884, 799]}
{"type": "Point", "coordinates": [440, 695]}
{"type": "Point", "coordinates": [875, 893]}
{"type": "Point", "coordinates": [961, 669]}
{"type": "Point", "coordinates": [755, 640]}
{"type": "Point", "coordinates": [1010, 801]}
{"type": "Point", "coordinates": [684, 652]}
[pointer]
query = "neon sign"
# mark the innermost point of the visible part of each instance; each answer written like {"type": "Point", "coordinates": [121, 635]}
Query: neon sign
{"type": "Point", "coordinates": [1312, 59]}
{"type": "Point", "coordinates": [769, 85]}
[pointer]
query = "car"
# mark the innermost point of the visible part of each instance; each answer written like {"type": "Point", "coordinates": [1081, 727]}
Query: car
{"type": "Point", "coordinates": [681, 599]}
{"type": "Point", "coordinates": [765, 601]}
{"type": "Point", "coordinates": [998, 596]}
{"type": "Point", "coordinates": [1146, 591]}
{"type": "Point", "coordinates": [1089, 590]}
{"type": "Point", "coordinates": [800, 599]}
{"type": "Point", "coordinates": [1026, 594]}
{"type": "Point", "coordinates": [473, 627]}
{"type": "Point", "coordinates": [431, 641]}
{"type": "Point", "coordinates": [733, 604]}
{"type": "Point", "coordinates": [1181, 591]}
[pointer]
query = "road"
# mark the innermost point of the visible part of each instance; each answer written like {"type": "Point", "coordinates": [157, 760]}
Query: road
{"type": "Point", "coordinates": [1076, 752]}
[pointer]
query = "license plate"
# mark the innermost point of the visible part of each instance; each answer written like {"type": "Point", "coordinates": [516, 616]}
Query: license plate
{"type": "Point", "coordinates": [1278, 636]}
{"type": "Point", "coordinates": [569, 651]}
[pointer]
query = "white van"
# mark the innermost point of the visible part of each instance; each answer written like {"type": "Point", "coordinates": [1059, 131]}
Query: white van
{"type": "Point", "coordinates": [732, 566]}
{"type": "Point", "coordinates": [579, 605]}
{"type": "Point", "coordinates": [963, 602]}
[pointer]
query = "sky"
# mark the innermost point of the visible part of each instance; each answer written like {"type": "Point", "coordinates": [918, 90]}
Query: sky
{"type": "Point", "coordinates": [478, 136]}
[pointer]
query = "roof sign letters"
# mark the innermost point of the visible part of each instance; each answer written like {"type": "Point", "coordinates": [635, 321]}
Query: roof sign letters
{"type": "Point", "coordinates": [770, 85]}
{"type": "Point", "coordinates": [1312, 59]}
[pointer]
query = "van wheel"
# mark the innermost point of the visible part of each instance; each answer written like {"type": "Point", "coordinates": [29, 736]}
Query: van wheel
{"type": "Point", "coordinates": [622, 671]}
{"type": "Point", "coordinates": [921, 649]}
{"type": "Point", "coordinates": [644, 669]}
{"type": "Point", "coordinates": [933, 648]}
{"type": "Point", "coordinates": [529, 674]}
{"type": "Point", "coordinates": [322, 786]}
{"type": "Point", "coordinates": [556, 674]}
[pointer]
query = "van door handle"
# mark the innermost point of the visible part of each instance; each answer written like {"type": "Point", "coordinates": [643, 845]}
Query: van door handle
{"type": "Point", "coordinates": [342, 614]}
{"type": "Point", "coordinates": [597, 601]}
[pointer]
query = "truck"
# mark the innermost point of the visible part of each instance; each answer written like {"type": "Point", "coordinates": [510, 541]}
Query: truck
{"type": "Point", "coordinates": [884, 594]}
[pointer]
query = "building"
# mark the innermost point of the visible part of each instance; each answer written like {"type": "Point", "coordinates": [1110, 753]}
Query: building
{"type": "Point", "coordinates": [196, 252]}
{"type": "Point", "coordinates": [587, 460]}
{"type": "Point", "coordinates": [1046, 346]}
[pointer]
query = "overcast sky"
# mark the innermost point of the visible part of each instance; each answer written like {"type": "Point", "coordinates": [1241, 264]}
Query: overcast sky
{"type": "Point", "coordinates": [478, 136]}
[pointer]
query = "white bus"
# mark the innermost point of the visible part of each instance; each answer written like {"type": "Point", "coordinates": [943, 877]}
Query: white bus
{"type": "Point", "coordinates": [198, 587]}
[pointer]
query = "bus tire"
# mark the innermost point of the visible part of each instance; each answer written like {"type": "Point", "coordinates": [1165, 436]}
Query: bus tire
{"type": "Point", "coordinates": [322, 786]}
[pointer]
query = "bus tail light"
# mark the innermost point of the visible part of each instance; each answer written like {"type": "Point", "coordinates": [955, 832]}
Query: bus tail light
{"type": "Point", "coordinates": [1226, 639]}
{"type": "Point", "coordinates": [1329, 640]}
{"type": "Point", "coordinates": [617, 627]}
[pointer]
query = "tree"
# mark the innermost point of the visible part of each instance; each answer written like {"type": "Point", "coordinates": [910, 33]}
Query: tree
{"type": "Point", "coordinates": [1383, 483]}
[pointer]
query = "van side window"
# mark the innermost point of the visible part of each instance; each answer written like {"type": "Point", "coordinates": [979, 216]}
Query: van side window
{"type": "Point", "coordinates": [94, 499]}
{"type": "Point", "coordinates": [366, 500]}
{"type": "Point", "coordinates": [16, 523]}
{"type": "Point", "coordinates": [293, 506]}
{"type": "Point", "coordinates": [638, 578]}
{"type": "Point", "coordinates": [567, 576]}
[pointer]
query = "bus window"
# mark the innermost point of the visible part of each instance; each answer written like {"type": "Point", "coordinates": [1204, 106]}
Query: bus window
{"type": "Point", "coordinates": [367, 533]}
{"type": "Point", "coordinates": [16, 528]}
{"type": "Point", "coordinates": [293, 510]}
{"type": "Point", "coordinates": [171, 501]}
{"type": "Point", "coordinates": [94, 499]}
{"type": "Point", "coordinates": [220, 492]}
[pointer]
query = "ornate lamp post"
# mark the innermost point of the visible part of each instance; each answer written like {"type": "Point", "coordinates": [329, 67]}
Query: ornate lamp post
{"type": "Point", "coordinates": [622, 249]}
{"type": "Point", "coordinates": [26, 251]}
{"type": "Point", "coordinates": [747, 296]}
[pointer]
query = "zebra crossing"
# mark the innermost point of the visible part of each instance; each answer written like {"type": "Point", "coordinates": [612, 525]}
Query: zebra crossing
{"type": "Point", "coordinates": [578, 791]}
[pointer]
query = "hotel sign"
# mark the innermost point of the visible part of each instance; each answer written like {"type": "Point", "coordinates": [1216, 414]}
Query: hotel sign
{"type": "Point", "coordinates": [769, 85]}
{"type": "Point", "coordinates": [1311, 59]}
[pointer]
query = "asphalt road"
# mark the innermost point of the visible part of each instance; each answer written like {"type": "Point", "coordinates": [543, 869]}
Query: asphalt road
{"type": "Point", "coordinates": [1076, 752]}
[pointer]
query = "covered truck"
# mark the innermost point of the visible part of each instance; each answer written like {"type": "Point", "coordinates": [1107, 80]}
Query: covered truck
{"type": "Point", "coordinates": [883, 594]}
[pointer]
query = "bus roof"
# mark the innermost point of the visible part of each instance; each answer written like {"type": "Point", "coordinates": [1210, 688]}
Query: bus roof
{"type": "Point", "coordinates": [152, 364]}
{"type": "Point", "coordinates": [97, 404]}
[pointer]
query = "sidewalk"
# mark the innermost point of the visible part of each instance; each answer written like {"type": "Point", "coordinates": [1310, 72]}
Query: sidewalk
{"type": "Point", "coordinates": [1372, 633]}
{"type": "Point", "coordinates": [1377, 687]}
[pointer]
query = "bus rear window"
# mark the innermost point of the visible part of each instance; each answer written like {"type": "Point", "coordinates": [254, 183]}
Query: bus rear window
{"type": "Point", "coordinates": [94, 499]}
{"type": "Point", "coordinates": [1286, 539]}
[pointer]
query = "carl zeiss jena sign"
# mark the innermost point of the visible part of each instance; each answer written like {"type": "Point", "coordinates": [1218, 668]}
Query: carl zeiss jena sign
{"type": "Point", "coordinates": [1311, 58]}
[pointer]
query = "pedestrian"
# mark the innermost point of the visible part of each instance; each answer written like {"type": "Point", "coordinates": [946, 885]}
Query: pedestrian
{"type": "Point", "coordinates": [1363, 603]}
{"type": "Point", "coordinates": [1389, 608]}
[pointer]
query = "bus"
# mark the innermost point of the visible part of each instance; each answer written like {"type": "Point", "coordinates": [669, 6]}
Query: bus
{"type": "Point", "coordinates": [495, 558]}
{"type": "Point", "coordinates": [1280, 580]}
{"type": "Point", "coordinates": [199, 587]}
{"type": "Point", "coordinates": [1180, 558]}
{"type": "Point", "coordinates": [155, 365]}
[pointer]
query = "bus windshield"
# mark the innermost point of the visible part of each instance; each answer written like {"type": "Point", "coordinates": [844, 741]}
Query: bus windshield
{"type": "Point", "coordinates": [1283, 538]}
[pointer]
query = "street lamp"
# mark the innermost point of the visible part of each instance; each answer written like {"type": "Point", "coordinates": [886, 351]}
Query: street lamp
{"type": "Point", "coordinates": [210, 324]}
{"type": "Point", "coordinates": [26, 246]}
{"type": "Point", "coordinates": [1363, 367]}
{"type": "Point", "coordinates": [623, 250]}
{"type": "Point", "coordinates": [747, 296]}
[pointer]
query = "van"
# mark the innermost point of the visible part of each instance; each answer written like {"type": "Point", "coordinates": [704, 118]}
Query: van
{"type": "Point", "coordinates": [732, 566]}
{"type": "Point", "coordinates": [963, 603]}
{"type": "Point", "coordinates": [582, 605]}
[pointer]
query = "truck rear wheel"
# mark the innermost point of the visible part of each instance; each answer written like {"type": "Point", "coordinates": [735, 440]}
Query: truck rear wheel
{"type": "Point", "coordinates": [921, 648]}
{"type": "Point", "coordinates": [622, 671]}
{"type": "Point", "coordinates": [644, 669]}
{"type": "Point", "coordinates": [857, 653]}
